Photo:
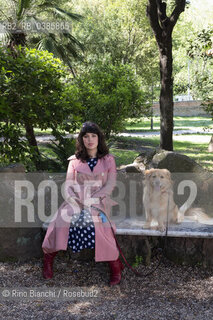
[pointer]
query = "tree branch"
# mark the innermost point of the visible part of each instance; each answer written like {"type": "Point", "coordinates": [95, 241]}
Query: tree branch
{"type": "Point", "coordinates": [179, 7]}
{"type": "Point", "coordinates": [152, 13]}
{"type": "Point", "coordinates": [164, 20]}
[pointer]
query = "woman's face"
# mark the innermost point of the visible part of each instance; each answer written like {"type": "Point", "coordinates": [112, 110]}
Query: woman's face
{"type": "Point", "coordinates": [90, 141]}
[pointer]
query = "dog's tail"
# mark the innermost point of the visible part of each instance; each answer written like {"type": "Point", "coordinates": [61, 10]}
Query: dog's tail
{"type": "Point", "coordinates": [198, 214]}
{"type": "Point", "coordinates": [186, 206]}
{"type": "Point", "coordinates": [193, 214]}
{"type": "Point", "coordinates": [182, 210]}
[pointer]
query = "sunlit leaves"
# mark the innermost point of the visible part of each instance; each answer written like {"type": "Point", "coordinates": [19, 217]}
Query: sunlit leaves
{"type": "Point", "coordinates": [34, 91]}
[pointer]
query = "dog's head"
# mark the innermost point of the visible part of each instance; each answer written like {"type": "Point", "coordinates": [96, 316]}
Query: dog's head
{"type": "Point", "coordinates": [158, 179]}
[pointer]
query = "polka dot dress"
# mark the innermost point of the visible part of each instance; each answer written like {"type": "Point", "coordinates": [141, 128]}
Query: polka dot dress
{"type": "Point", "coordinates": [82, 232]}
{"type": "Point", "coordinates": [92, 162]}
{"type": "Point", "coordinates": [82, 229]}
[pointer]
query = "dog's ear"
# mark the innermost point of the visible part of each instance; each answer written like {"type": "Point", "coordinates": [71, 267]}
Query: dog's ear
{"type": "Point", "coordinates": [147, 174]}
{"type": "Point", "coordinates": [168, 175]}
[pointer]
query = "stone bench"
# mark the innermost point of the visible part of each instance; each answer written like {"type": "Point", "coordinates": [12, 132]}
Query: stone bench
{"type": "Point", "coordinates": [188, 242]}
{"type": "Point", "coordinates": [187, 229]}
{"type": "Point", "coordinates": [134, 227]}
{"type": "Point", "coordinates": [23, 241]}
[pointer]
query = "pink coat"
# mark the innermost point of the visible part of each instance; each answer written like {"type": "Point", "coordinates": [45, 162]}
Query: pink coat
{"type": "Point", "coordinates": [86, 187]}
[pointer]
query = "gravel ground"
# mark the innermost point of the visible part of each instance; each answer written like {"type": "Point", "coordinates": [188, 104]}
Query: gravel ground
{"type": "Point", "coordinates": [171, 292]}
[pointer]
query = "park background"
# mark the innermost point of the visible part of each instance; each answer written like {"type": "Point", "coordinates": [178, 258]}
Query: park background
{"type": "Point", "coordinates": [64, 62]}
{"type": "Point", "coordinates": [104, 68]}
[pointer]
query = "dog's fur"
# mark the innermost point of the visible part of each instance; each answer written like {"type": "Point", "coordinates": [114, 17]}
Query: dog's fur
{"type": "Point", "coordinates": [159, 203]}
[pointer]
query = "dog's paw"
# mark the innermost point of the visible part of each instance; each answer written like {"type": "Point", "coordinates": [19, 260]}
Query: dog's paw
{"type": "Point", "coordinates": [146, 226]}
{"type": "Point", "coordinates": [161, 228]}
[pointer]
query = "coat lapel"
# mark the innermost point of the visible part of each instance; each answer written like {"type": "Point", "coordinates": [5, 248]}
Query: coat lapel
{"type": "Point", "coordinates": [84, 168]}
{"type": "Point", "coordinates": [99, 166]}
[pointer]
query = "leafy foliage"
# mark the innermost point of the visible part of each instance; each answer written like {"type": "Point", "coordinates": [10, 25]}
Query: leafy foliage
{"type": "Point", "coordinates": [120, 32]}
{"type": "Point", "coordinates": [109, 94]}
{"type": "Point", "coordinates": [35, 93]}
{"type": "Point", "coordinates": [199, 45]}
{"type": "Point", "coordinates": [41, 24]}
{"type": "Point", "coordinates": [201, 50]}
{"type": "Point", "coordinates": [63, 148]}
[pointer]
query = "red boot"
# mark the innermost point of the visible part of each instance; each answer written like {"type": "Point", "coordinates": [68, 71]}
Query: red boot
{"type": "Point", "coordinates": [115, 271]}
{"type": "Point", "coordinates": [48, 265]}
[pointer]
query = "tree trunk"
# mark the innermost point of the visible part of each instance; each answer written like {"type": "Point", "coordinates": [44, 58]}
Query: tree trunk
{"type": "Point", "coordinates": [17, 38]}
{"type": "Point", "coordinates": [162, 26]}
{"type": "Point", "coordinates": [166, 96]}
{"type": "Point", "coordinates": [30, 135]}
{"type": "Point", "coordinates": [210, 147]}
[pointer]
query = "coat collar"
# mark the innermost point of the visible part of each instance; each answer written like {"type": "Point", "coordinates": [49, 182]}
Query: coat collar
{"type": "Point", "coordinates": [84, 168]}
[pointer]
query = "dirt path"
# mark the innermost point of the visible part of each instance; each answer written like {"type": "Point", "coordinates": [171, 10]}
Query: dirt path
{"type": "Point", "coordinates": [172, 292]}
{"type": "Point", "coordinates": [190, 130]}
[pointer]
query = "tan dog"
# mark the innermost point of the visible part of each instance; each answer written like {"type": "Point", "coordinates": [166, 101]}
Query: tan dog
{"type": "Point", "coordinates": [159, 203]}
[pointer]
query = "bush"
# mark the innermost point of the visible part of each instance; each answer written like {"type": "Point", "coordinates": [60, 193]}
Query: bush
{"type": "Point", "coordinates": [110, 94]}
{"type": "Point", "coordinates": [35, 92]}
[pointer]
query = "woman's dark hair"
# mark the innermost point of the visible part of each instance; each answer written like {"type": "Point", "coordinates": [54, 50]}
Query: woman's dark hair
{"type": "Point", "coordinates": [81, 151]}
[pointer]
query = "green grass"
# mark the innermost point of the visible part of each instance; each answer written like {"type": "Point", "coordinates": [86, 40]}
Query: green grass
{"type": "Point", "coordinates": [39, 132]}
{"type": "Point", "coordinates": [143, 124]}
{"type": "Point", "coordinates": [126, 149]}
{"type": "Point", "coordinates": [123, 157]}
{"type": "Point", "coordinates": [47, 151]}
{"type": "Point", "coordinates": [180, 123]}
{"type": "Point", "coordinates": [185, 122]}
{"type": "Point", "coordinates": [198, 151]}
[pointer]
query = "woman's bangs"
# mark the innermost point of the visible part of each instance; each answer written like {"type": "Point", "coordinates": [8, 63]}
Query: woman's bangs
{"type": "Point", "coordinates": [89, 128]}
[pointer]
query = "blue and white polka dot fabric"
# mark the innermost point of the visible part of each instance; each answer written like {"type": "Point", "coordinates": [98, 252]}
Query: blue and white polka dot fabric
{"type": "Point", "coordinates": [82, 229]}
{"type": "Point", "coordinates": [82, 232]}
{"type": "Point", "coordinates": [92, 162]}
